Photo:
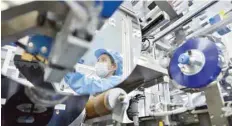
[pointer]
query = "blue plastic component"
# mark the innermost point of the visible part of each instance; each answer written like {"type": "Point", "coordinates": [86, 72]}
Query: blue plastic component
{"type": "Point", "coordinates": [221, 31]}
{"type": "Point", "coordinates": [210, 70]}
{"type": "Point", "coordinates": [109, 7]}
{"type": "Point", "coordinates": [38, 42]}
{"type": "Point", "coordinates": [183, 59]}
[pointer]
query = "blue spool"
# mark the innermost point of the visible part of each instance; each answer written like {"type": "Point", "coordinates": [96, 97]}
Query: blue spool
{"type": "Point", "coordinates": [208, 73]}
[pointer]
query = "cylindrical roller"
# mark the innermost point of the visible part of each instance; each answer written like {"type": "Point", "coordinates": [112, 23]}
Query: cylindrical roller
{"type": "Point", "coordinates": [103, 103]}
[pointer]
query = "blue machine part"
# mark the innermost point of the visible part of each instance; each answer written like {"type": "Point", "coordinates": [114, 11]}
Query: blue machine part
{"type": "Point", "coordinates": [183, 59]}
{"type": "Point", "coordinates": [214, 20]}
{"type": "Point", "coordinates": [109, 7]}
{"type": "Point", "coordinates": [39, 42]}
{"type": "Point", "coordinates": [209, 71]}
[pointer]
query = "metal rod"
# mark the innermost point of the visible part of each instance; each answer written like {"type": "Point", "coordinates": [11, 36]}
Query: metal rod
{"type": "Point", "coordinates": [127, 11]}
{"type": "Point", "coordinates": [183, 20]}
{"type": "Point", "coordinates": [136, 120]}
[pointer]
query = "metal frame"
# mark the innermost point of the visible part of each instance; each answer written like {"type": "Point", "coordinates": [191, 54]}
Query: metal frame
{"type": "Point", "coordinates": [165, 6]}
{"type": "Point", "coordinates": [211, 29]}
{"type": "Point", "coordinates": [183, 20]}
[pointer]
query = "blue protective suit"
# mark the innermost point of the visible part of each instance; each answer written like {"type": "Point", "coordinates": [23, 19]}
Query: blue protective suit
{"type": "Point", "coordinates": [82, 84]}
{"type": "Point", "coordinates": [90, 85]}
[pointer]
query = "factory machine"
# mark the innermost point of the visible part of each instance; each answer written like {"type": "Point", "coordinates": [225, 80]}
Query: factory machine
{"type": "Point", "coordinates": [177, 62]}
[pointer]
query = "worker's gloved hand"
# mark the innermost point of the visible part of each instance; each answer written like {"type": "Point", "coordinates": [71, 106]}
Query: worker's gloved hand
{"type": "Point", "coordinates": [67, 77]}
{"type": "Point", "coordinates": [83, 85]}
{"type": "Point", "coordinates": [72, 76]}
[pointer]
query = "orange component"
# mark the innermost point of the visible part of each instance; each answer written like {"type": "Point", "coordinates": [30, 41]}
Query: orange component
{"type": "Point", "coordinates": [96, 106]}
{"type": "Point", "coordinates": [27, 56]}
{"type": "Point", "coordinates": [103, 103]}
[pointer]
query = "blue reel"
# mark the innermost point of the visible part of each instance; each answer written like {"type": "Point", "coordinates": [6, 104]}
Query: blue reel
{"type": "Point", "coordinates": [206, 73]}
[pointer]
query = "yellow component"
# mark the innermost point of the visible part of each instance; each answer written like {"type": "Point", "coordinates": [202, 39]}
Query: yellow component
{"type": "Point", "coordinates": [222, 14]}
{"type": "Point", "coordinates": [28, 57]}
{"type": "Point", "coordinates": [161, 123]}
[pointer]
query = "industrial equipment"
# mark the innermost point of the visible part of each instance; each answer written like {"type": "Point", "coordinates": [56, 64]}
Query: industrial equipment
{"type": "Point", "coordinates": [58, 36]}
{"type": "Point", "coordinates": [183, 76]}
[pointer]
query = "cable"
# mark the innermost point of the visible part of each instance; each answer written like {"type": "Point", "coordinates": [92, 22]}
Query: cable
{"type": "Point", "coordinates": [20, 45]}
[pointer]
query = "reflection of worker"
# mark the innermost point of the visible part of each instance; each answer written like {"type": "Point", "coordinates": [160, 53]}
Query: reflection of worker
{"type": "Point", "coordinates": [108, 68]}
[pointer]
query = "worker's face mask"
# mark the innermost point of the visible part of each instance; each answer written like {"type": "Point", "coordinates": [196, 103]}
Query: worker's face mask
{"type": "Point", "coordinates": [102, 69]}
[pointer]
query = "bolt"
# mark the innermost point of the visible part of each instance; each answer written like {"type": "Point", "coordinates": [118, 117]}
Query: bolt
{"type": "Point", "coordinates": [196, 120]}
{"type": "Point", "coordinates": [211, 116]}
{"type": "Point", "coordinates": [224, 125]}
{"type": "Point", "coordinates": [30, 45]}
{"type": "Point", "coordinates": [44, 49]}
{"type": "Point", "coordinates": [121, 97]}
{"type": "Point", "coordinates": [195, 115]}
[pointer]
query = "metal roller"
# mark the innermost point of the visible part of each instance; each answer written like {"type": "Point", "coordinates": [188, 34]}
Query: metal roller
{"type": "Point", "coordinates": [103, 103]}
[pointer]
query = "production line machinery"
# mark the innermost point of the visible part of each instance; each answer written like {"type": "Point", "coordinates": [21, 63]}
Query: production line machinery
{"type": "Point", "coordinates": [198, 64]}
{"type": "Point", "coordinates": [198, 89]}
{"type": "Point", "coordinates": [60, 33]}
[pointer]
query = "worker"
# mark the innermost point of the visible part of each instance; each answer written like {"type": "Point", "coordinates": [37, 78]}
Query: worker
{"type": "Point", "coordinates": [109, 72]}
